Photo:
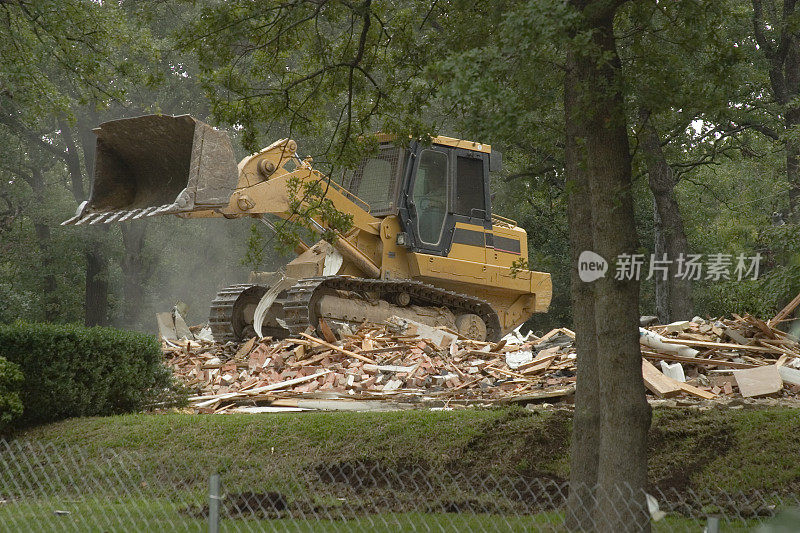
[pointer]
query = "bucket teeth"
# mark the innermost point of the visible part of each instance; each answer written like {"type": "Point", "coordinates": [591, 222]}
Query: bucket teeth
{"type": "Point", "coordinates": [87, 218]}
{"type": "Point", "coordinates": [129, 214]}
{"type": "Point", "coordinates": [146, 211]}
{"type": "Point", "coordinates": [114, 216]}
{"type": "Point", "coordinates": [100, 218]}
{"type": "Point", "coordinates": [159, 210]}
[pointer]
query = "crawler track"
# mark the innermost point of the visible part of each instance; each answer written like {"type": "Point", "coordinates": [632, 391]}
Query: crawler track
{"type": "Point", "coordinates": [299, 303]}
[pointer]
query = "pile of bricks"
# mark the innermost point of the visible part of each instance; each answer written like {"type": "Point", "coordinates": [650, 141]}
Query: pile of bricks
{"type": "Point", "coordinates": [375, 362]}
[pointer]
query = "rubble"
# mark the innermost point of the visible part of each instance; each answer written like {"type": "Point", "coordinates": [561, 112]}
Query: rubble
{"type": "Point", "coordinates": [405, 364]}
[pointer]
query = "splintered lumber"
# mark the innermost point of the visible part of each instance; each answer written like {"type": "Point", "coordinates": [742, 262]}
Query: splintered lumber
{"type": "Point", "coordinates": [786, 311]}
{"type": "Point", "coordinates": [694, 391]}
{"type": "Point", "coordinates": [659, 384]}
{"type": "Point", "coordinates": [376, 351]}
{"type": "Point", "coordinates": [568, 332]}
{"type": "Point", "coordinates": [245, 348]}
{"type": "Point", "coordinates": [226, 376]}
{"type": "Point", "coordinates": [287, 383]}
{"type": "Point", "coordinates": [549, 335]}
{"type": "Point", "coordinates": [339, 349]}
{"type": "Point", "coordinates": [326, 331]}
{"type": "Point", "coordinates": [761, 381]}
{"type": "Point", "coordinates": [545, 395]}
{"type": "Point", "coordinates": [721, 345]}
{"type": "Point", "coordinates": [371, 369]}
{"type": "Point", "coordinates": [697, 360]}
{"type": "Point", "coordinates": [760, 324]}
{"type": "Point", "coordinates": [540, 364]}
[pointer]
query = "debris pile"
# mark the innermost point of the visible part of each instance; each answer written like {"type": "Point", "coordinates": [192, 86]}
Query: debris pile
{"type": "Point", "coordinates": [707, 359]}
{"type": "Point", "coordinates": [404, 362]}
{"type": "Point", "coordinates": [401, 361]}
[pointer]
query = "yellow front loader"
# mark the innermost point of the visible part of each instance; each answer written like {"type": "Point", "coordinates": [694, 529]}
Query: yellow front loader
{"type": "Point", "coordinates": [424, 244]}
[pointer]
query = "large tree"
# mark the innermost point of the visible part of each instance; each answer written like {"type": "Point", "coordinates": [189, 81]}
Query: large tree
{"type": "Point", "coordinates": [775, 28]}
{"type": "Point", "coordinates": [599, 156]}
{"type": "Point", "coordinates": [61, 61]}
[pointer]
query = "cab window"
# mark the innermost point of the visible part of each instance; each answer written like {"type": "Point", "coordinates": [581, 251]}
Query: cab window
{"type": "Point", "coordinates": [430, 195]}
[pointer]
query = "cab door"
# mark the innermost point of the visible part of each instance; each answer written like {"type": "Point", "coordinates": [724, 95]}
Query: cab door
{"type": "Point", "coordinates": [471, 218]}
{"type": "Point", "coordinates": [428, 201]}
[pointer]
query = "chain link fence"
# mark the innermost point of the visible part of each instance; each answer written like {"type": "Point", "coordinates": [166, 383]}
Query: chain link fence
{"type": "Point", "coordinates": [52, 488]}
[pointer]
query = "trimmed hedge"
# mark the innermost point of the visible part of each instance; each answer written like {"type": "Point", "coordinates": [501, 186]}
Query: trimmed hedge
{"type": "Point", "coordinates": [72, 370]}
{"type": "Point", "coordinates": [10, 383]}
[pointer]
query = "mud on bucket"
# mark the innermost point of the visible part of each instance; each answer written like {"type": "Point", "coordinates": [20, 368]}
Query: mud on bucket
{"type": "Point", "coordinates": [176, 164]}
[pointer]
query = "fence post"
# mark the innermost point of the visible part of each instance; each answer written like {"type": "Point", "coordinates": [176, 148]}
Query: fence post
{"type": "Point", "coordinates": [712, 526]}
{"type": "Point", "coordinates": [213, 504]}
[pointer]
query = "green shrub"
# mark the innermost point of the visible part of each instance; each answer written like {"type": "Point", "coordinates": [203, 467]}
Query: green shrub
{"type": "Point", "coordinates": [10, 384]}
{"type": "Point", "coordinates": [77, 371]}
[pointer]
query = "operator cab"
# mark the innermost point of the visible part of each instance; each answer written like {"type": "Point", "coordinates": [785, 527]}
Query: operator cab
{"type": "Point", "coordinates": [431, 189]}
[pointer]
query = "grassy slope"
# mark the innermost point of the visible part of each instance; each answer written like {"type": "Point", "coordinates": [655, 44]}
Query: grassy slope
{"type": "Point", "coordinates": [732, 449]}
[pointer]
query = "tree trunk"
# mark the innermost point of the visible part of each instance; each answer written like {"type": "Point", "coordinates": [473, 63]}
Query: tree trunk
{"type": "Point", "coordinates": [134, 273]}
{"type": "Point", "coordinates": [661, 285]}
{"type": "Point", "coordinates": [96, 293]}
{"type": "Point", "coordinates": [96, 298]}
{"type": "Point", "coordinates": [674, 294]}
{"type": "Point", "coordinates": [783, 55]}
{"type": "Point", "coordinates": [50, 301]}
{"type": "Point", "coordinates": [793, 164]}
{"type": "Point", "coordinates": [625, 414]}
{"type": "Point", "coordinates": [586, 418]}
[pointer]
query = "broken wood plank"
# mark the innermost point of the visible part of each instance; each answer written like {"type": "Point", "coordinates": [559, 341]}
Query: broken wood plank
{"type": "Point", "coordinates": [245, 348]}
{"type": "Point", "coordinates": [326, 331]}
{"type": "Point", "coordinates": [786, 311]}
{"type": "Point", "coordinates": [696, 360]}
{"type": "Point", "coordinates": [549, 335]}
{"type": "Point", "coordinates": [339, 349]}
{"type": "Point", "coordinates": [568, 332]}
{"type": "Point", "coordinates": [371, 369]}
{"type": "Point", "coordinates": [284, 384]}
{"type": "Point", "coordinates": [544, 395]}
{"type": "Point", "coordinates": [720, 345]}
{"type": "Point", "coordinates": [659, 384]}
{"type": "Point", "coordinates": [760, 324]}
{"type": "Point", "coordinates": [537, 365]}
{"type": "Point", "coordinates": [695, 391]}
{"type": "Point", "coordinates": [387, 349]}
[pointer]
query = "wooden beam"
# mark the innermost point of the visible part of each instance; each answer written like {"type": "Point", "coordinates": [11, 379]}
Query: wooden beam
{"type": "Point", "coordinates": [338, 349]}
{"type": "Point", "coordinates": [696, 360]}
{"type": "Point", "coordinates": [720, 345]}
{"type": "Point", "coordinates": [659, 384]}
{"type": "Point", "coordinates": [786, 311]}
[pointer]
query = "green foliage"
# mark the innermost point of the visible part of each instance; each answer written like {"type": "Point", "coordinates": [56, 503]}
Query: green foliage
{"type": "Point", "coordinates": [10, 384]}
{"type": "Point", "coordinates": [255, 248]}
{"type": "Point", "coordinates": [308, 201]}
{"type": "Point", "coordinates": [59, 52]}
{"type": "Point", "coordinates": [77, 371]}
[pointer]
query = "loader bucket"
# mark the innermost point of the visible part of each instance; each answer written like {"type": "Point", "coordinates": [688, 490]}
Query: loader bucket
{"type": "Point", "coordinates": [157, 165]}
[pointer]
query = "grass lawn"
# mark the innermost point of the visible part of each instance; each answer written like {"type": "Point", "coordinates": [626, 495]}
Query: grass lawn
{"type": "Point", "coordinates": [736, 450]}
{"type": "Point", "coordinates": [164, 515]}
{"type": "Point", "coordinates": [123, 470]}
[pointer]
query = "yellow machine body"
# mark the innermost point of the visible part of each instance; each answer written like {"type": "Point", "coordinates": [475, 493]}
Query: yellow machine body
{"type": "Point", "coordinates": [483, 256]}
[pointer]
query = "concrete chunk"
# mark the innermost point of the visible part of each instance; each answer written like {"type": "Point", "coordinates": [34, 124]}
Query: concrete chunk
{"type": "Point", "coordinates": [761, 381]}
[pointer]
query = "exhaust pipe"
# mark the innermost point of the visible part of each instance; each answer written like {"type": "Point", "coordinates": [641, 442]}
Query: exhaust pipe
{"type": "Point", "coordinates": [158, 165]}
